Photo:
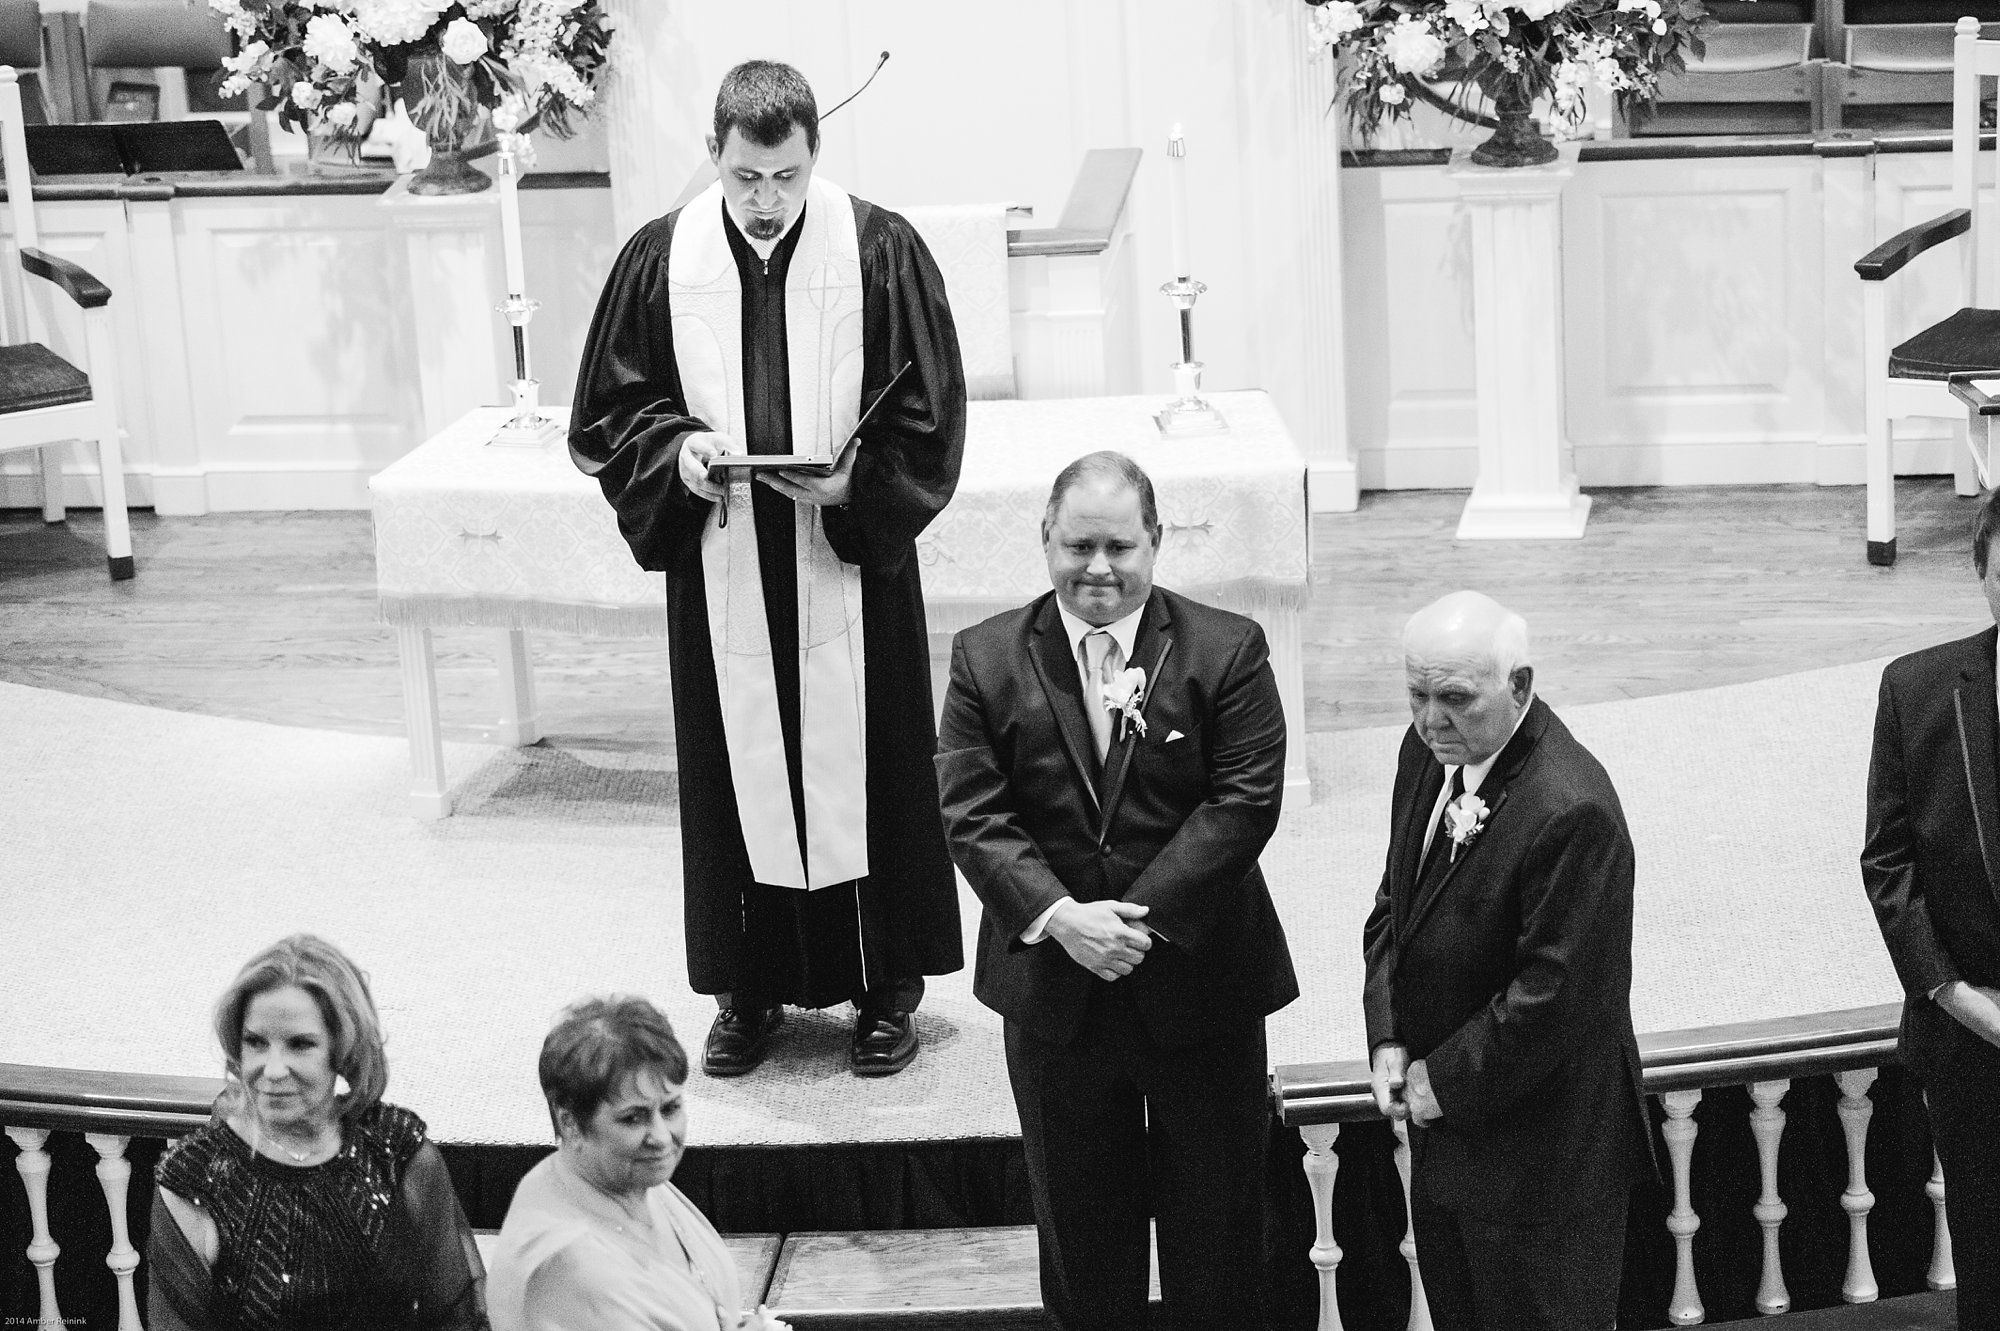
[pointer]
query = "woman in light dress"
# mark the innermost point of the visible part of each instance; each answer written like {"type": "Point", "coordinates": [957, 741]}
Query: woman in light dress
{"type": "Point", "coordinates": [596, 1238]}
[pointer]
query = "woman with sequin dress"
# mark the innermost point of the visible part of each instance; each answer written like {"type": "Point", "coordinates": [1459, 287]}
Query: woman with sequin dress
{"type": "Point", "coordinates": [307, 1203]}
{"type": "Point", "coordinates": [596, 1238]}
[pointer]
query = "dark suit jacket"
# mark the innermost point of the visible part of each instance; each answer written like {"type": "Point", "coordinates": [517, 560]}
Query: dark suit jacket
{"type": "Point", "coordinates": [1172, 823]}
{"type": "Point", "coordinates": [1934, 831]}
{"type": "Point", "coordinates": [1512, 978]}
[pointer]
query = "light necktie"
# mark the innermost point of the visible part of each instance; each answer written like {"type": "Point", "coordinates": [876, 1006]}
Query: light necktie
{"type": "Point", "coordinates": [1099, 648]}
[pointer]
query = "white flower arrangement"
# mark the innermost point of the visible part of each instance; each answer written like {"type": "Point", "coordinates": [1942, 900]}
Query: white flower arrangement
{"type": "Point", "coordinates": [1528, 49]}
{"type": "Point", "coordinates": [1464, 819]}
{"type": "Point", "coordinates": [334, 64]}
{"type": "Point", "coordinates": [1124, 696]}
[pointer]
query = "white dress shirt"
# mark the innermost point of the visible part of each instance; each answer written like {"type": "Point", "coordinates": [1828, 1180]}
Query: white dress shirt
{"type": "Point", "coordinates": [1475, 776]}
{"type": "Point", "coordinates": [1124, 632]}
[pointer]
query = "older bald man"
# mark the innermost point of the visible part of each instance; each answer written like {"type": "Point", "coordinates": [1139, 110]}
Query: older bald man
{"type": "Point", "coordinates": [1499, 988]}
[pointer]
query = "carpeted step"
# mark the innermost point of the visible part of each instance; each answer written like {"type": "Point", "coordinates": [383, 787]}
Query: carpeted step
{"type": "Point", "coordinates": [913, 1280]}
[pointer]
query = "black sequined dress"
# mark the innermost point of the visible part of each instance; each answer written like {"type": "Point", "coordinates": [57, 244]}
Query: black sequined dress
{"type": "Point", "coordinates": [372, 1238]}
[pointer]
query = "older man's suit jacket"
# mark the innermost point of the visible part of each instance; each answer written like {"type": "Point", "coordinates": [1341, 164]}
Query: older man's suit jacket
{"type": "Point", "coordinates": [1934, 830]}
{"type": "Point", "coordinates": [1510, 974]}
{"type": "Point", "coordinates": [1173, 820]}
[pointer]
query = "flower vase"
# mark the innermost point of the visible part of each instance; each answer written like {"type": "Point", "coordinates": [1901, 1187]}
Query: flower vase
{"type": "Point", "coordinates": [439, 101]}
{"type": "Point", "coordinates": [1518, 141]}
{"type": "Point", "coordinates": [448, 172]}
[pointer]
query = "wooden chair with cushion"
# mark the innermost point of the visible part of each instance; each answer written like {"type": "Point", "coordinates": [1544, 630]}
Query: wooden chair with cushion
{"type": "Point", "coordinates": [1914, 377]}
{"type": "Point", "coordinates": [49, 394]}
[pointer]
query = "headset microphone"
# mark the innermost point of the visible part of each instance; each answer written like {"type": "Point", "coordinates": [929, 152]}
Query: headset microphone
{"type": "Point", "coordinates": [883, 60]}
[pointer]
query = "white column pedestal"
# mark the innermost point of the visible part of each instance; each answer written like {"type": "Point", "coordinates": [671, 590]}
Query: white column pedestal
{"type": "Point", "coordinates": [1527, 482]}
{"type": "Point", "coordinates": [456, 283]}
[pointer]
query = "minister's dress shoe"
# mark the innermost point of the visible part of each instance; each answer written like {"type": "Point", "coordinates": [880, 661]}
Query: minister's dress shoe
{"type": "Point", "coordinates": [884, 1042]}
{"type": "Point", "coordinates": [738, 1040]}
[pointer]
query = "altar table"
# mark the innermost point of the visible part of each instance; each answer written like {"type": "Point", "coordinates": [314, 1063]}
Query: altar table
{"type": "Point", "coordinates": [513, 539]}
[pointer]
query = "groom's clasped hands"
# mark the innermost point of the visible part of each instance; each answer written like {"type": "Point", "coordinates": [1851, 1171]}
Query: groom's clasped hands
{"type": "Point", "coordinates": [1107, 938]}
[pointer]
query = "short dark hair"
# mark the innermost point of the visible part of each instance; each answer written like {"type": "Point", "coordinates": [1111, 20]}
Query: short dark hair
{"type": "Point", "coordinates": [765, 99]}
{"type": "Point", "coordinates": [1982, 535]}
{"type": "Point", "coordinates": [1108, 465]}
{"type": "Point", "coordinates": [597, 1043]}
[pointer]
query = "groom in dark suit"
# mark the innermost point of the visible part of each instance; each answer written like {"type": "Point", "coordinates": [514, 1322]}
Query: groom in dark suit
{"type": "Point", "coordinates": [1498, 993]}
{"type": "Point", "coordinates": [1929, 868]}
{"type": "Point", "coordinates": [1110, 763]}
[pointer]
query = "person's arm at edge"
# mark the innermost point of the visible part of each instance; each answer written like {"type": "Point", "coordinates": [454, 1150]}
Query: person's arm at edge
{"type": "Point", "coordinates": [1001, 862]}
{"type": "Point", "coordinates": [907, 460]}
{"type": "Point", "coordinates": [630, 418]}
{"type": "Point", "coordinates": [1889, 861]}
{"type": "Point", "coordinates": [182, 1246]}
{"type": "Point", "coordinates": [1222, 838]}
{"type": "Point", "coordinates": [454, 1297]}
{"type": "Point", "coordinates": [1487, 1067]}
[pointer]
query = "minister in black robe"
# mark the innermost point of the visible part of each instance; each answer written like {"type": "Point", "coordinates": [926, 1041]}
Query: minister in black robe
{"type": "Point", "coordinates": [756, 945]}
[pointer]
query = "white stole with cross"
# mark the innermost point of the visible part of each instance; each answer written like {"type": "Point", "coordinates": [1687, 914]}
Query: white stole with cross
{"type": "Point", "coordinates": [823, 336]}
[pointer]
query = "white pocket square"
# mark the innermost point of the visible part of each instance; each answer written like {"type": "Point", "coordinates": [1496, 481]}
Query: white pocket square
{"type": "Point", "coordinates": [1173, 735]}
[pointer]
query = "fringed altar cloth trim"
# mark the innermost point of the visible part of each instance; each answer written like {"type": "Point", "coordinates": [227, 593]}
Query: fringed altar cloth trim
{"type": "Point", "coordinates": [1247, 594]}
{"type": "Point", "coordinates": [591, 621]}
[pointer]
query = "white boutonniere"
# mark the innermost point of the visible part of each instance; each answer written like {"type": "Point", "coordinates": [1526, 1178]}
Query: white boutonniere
{"type": "Point", "coordinates": [1125, 695]}
{"type": "Point", "coordinates": [1464, 818]}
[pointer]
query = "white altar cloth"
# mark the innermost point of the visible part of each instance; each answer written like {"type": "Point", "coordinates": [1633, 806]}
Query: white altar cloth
{"type": "Point", "coordinates": [472, 534]}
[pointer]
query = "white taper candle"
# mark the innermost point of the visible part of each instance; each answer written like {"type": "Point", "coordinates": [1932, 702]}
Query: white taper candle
{"type": "Point", "coordinates": [1177, 198]}
{"type": "Point", "coordinates": [510, 222]}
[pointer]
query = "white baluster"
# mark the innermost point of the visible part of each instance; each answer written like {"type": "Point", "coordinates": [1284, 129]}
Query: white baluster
{"type": "Point", "coordinates": [1767, 1125]}
{"type": "Point", "coordinates": [1855, 1111]}
{"type": "Point", "coordinates": [114, 1171]}
{"type": "Point", "coordinates": [1685, 1308]}
{"type": "Point", "coordinates": [33, 1162]}
{"type": "Point", "coordinates": [1942, 1275]}
{"type": "Point", "coordinates": [1420, 1307]}
{"type": "Point", "coordinates": [1321, 1165]}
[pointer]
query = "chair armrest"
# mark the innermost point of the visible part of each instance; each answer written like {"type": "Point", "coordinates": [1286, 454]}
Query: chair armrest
{"type": "Point", "coordinates": [84, 289]}
{"type": "Point", "coordinates": [1965, 387]}
{"type": "Point", "coordinates": [1888, 258]}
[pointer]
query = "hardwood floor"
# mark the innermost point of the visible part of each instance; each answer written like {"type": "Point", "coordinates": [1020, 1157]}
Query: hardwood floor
{"type": "Point", "coordinates": [271, 616]}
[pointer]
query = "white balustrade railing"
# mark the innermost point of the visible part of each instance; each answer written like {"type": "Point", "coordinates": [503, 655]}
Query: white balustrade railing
{"type": "Point", "coordinates": [1855, 1111]}
{"type": "Point", "coordinates": [1764, 1056]}
{"type": "Point", "coordinates": [108, 1110]}
{"type": "Point", "coordinates": [1767, 1125]}
{"type": "Point", "coordinates": [1684, 1309]}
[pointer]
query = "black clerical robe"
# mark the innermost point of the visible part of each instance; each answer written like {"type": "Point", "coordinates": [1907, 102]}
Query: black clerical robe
{"type": "Point", "coordinates": [783, 944]}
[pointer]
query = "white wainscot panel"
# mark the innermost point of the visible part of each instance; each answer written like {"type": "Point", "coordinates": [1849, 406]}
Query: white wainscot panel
{"type": "Point", "coordinates": [1912, 188]}
{"type": "Point", "coordinates": [91, 233]}
{"type": "Point", "coordinates": [1694, 306]}
{"type": "Point", "coordinates": [312, 293]}
{"type": "Point", "coordinates": [1409, 330]}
